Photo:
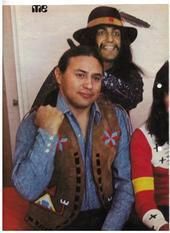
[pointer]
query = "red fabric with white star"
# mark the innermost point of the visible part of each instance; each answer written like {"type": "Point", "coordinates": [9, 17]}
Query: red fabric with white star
{"type": "Point", "coordinates": [141, 155]}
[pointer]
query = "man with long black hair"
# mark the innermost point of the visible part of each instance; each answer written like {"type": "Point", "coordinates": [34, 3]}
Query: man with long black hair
{"type": "Point", "coordinates": [122, 82]}
{"type": "Point", "coordinates": [72, 160]}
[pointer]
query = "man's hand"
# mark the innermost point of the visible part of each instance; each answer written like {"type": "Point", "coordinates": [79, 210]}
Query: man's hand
{"type": "Point", "coordinates": [49, 118]}
{"type": "Point", "coordinates": [165, 227]}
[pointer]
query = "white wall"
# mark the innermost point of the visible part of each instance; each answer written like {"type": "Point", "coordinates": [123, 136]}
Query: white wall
{"type": "Point", "coordinates": [40, 40]}
{"type": "Point", "coordinates": [9, 78]}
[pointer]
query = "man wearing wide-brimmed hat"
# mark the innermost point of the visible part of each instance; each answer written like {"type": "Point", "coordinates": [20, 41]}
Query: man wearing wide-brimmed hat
{"type": "Point", "coordinates": [122, 81]}
{"type": "Point", "coordinates": [103, 17]}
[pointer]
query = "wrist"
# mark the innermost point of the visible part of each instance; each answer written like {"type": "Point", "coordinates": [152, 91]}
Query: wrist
{"type": "Point", "coordinates": [52, 131]}
{"type": "Point", "coordinates": [154, 219]}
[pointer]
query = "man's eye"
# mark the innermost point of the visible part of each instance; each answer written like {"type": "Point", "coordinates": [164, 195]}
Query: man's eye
{"type": "Point", "coordinates": [80, 75]}
{"type": "Point", "coordinates": [97, 78]}
{"type": "Point", "coordinates": [100, 32]}
{"type": "Point", "coordinates": [116, 33]}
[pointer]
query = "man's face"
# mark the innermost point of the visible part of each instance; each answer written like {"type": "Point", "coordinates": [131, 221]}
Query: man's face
{"type": "Point", "coordinates": [81, 82]}
{"type": "Point", "coordinates": [108, 40]}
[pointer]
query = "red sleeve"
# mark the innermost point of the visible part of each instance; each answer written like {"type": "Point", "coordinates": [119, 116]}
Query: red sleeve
{"type": "Point", "coordinates": [142, 174]}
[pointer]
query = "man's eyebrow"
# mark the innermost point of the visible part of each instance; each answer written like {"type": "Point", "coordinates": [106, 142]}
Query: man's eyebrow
{"type": "Point", "coordinates": [99, 74]}
{"type": "Point", "coordinates": [80, 70]}
{"type": "Point", "coordinates": [85, 72]}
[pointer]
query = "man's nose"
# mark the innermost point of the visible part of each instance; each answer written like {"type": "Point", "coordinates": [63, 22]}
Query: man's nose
{"type": "Point", "coordinates": [110, 37]}
{"type": "Point", "coordinates": [88, 83]}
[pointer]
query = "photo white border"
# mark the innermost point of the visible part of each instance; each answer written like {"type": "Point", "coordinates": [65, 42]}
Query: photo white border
{"type": "Point", "coordinates": [78, 2]}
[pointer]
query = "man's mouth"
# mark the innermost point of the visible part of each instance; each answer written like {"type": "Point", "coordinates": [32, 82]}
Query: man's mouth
{"type": "Point", "coordinates": [109, 47]}
{"type": "Point", "coordinates": [86, 95]}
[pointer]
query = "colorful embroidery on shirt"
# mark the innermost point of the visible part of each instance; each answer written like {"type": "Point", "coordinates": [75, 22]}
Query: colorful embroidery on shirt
{"type": "Point", "coordinates": [46, 202]}
{"type": "Point", "coordinates": [61, 142]}
{"type": "Point", "coordinates": [110, 137]}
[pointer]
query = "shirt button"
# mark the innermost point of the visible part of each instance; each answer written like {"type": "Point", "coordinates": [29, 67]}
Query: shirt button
{"type": "Point", "coordinates": [51, 138]}
{"type": "Point", "coordinates": [79, 135]}
{"type": "Point", "coordinates": [47, 151]}
{"type": "Point", "coordinates": [49, 144]}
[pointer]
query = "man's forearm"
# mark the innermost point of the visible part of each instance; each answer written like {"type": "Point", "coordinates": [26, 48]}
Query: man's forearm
{"type": "Point", "coordinates": [119, 212]}
{"type": "Point", "coordinates": [33, 170]}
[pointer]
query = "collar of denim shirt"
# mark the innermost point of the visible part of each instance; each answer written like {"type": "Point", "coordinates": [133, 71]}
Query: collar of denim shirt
{"type": "Point", "coordinates": [62, 105]}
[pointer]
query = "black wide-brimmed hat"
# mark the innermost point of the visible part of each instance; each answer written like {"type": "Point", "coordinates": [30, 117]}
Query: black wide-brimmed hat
{"type": "Point", "coordinates": [104, 16]}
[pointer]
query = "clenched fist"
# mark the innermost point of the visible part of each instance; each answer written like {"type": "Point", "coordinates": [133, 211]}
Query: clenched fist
{"type": "Point", "coordinates": [49, 118]}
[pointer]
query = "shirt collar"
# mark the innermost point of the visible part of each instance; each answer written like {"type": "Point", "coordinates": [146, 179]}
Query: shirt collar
{"type": "Point", "coordinates": [63, 107]}
{"type": "Point", "coordinates": [97, 113]}
{"type": "Point", "coordinates": [62, 104]}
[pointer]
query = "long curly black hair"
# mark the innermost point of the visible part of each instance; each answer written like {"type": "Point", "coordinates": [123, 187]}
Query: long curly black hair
{"type": "Point", "coordinates": [123, 64]}
{"type": "Point", "coordinates": [157, 122]}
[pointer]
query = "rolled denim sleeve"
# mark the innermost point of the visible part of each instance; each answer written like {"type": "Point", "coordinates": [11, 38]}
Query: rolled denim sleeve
{"type": "Point", "coordinates": [33, 159]}
{"type": "Point", "coordinates": [123, 197]}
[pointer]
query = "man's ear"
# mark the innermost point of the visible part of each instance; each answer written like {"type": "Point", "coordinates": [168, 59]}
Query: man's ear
{"type": "Point", "coordinates": [58, 75]}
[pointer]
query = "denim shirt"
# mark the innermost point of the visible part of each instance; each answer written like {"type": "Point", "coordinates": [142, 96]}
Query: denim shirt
{"type": "Point", "coordinates": [35, 152]}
